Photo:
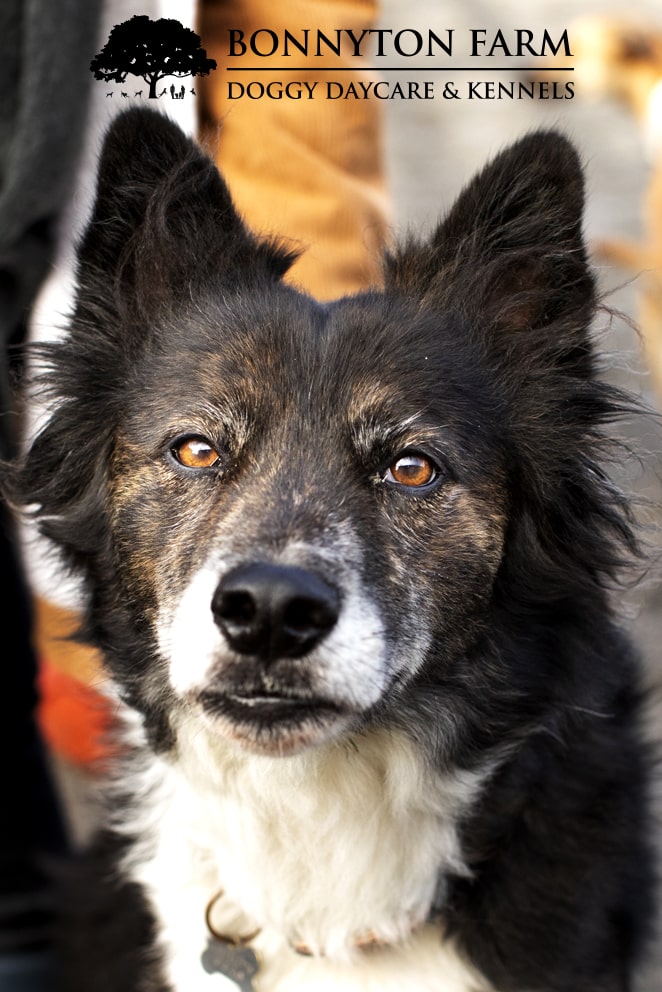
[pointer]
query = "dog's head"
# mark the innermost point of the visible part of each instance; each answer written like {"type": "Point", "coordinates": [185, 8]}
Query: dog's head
{"type": "Point", "coordinates": [290, 515]}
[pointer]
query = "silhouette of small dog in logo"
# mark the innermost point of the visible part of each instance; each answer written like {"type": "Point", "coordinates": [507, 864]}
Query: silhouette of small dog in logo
{"type": "Point", "coordinates": [151, 50]}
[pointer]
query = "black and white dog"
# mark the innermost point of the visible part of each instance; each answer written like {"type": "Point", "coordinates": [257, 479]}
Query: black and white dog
{"type": "Point", "coordinates": [350, 564]}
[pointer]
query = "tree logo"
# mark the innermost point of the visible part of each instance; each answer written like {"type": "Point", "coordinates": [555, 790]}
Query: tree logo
{"type": "Point", "coordinates": [151, 50]}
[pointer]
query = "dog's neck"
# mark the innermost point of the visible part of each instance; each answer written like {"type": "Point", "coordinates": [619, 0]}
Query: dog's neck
{"type": "Point", "coordinates": [323, 847]}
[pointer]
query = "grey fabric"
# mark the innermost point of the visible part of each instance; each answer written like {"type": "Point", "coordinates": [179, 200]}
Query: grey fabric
{"type": "Point", "coordinates": [45, 50]}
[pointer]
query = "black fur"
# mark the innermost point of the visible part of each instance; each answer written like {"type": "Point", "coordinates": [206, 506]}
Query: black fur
{"type": "Point", "coordinates": [483, 330]}
{"type": "Point", "coordinates": [105, 937]}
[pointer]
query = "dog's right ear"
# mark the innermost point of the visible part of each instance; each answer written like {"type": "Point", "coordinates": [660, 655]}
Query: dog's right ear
{"type": "Point", "coordinates": [510, 257]}
{"type": "Point", "coordinates": [163, 219]}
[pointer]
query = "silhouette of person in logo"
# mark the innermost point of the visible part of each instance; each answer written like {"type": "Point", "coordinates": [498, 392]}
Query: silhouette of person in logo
{"type": "Point", "coordinates": [172, 91]}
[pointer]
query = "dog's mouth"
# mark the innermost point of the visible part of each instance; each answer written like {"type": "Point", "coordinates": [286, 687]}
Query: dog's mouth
{"type": "Point", "coordinates": [269, 706]}
{"type": "Point", "coordinates": [272, 722]}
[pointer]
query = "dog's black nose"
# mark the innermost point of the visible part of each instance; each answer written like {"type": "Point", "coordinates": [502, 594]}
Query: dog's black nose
{"type": "Point", "coordinates": [274, 611]}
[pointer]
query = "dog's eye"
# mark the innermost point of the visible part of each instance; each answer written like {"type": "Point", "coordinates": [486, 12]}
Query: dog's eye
{"type": "Point", "coordinates": [412, 470]}
{"type": "Point", "coordinates": [194, 452]}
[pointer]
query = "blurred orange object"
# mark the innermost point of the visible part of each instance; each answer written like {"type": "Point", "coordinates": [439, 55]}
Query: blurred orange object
{"type": "Point", "coordinates": [74, 718]}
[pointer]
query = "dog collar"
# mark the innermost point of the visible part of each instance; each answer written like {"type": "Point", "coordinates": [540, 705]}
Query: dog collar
{"type": "Point", "coordinates": [231, 955]}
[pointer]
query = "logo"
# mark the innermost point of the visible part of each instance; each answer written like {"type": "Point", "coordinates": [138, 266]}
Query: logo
{"type": "Point", "coordinates": [295, 64]}
{"type": "Point", "coordinates": [152, 51]}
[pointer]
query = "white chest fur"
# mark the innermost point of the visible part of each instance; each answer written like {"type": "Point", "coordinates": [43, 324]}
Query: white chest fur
{"type": "Point", "coordinates": [320, 848]}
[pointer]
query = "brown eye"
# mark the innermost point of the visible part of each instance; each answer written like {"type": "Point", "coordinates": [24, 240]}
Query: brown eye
{"type": "Point", "coordinates": [411, 470]}
{"type": "Point", "coordinates": [194, 452]}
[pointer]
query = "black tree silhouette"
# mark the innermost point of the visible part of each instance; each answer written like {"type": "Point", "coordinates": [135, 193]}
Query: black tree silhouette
{"type": "Point", "coordinates": [151, 50]}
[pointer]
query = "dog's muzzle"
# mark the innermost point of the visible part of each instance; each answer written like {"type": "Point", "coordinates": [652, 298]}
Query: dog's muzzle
{"type": "Point", "coordinates": [277, 656]}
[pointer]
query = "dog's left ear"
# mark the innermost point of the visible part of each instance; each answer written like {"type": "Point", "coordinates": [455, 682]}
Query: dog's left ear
{"type": "Point", "coordinates": [164, 220]}
{"type": "Point", "coordinates": [510, 256]}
